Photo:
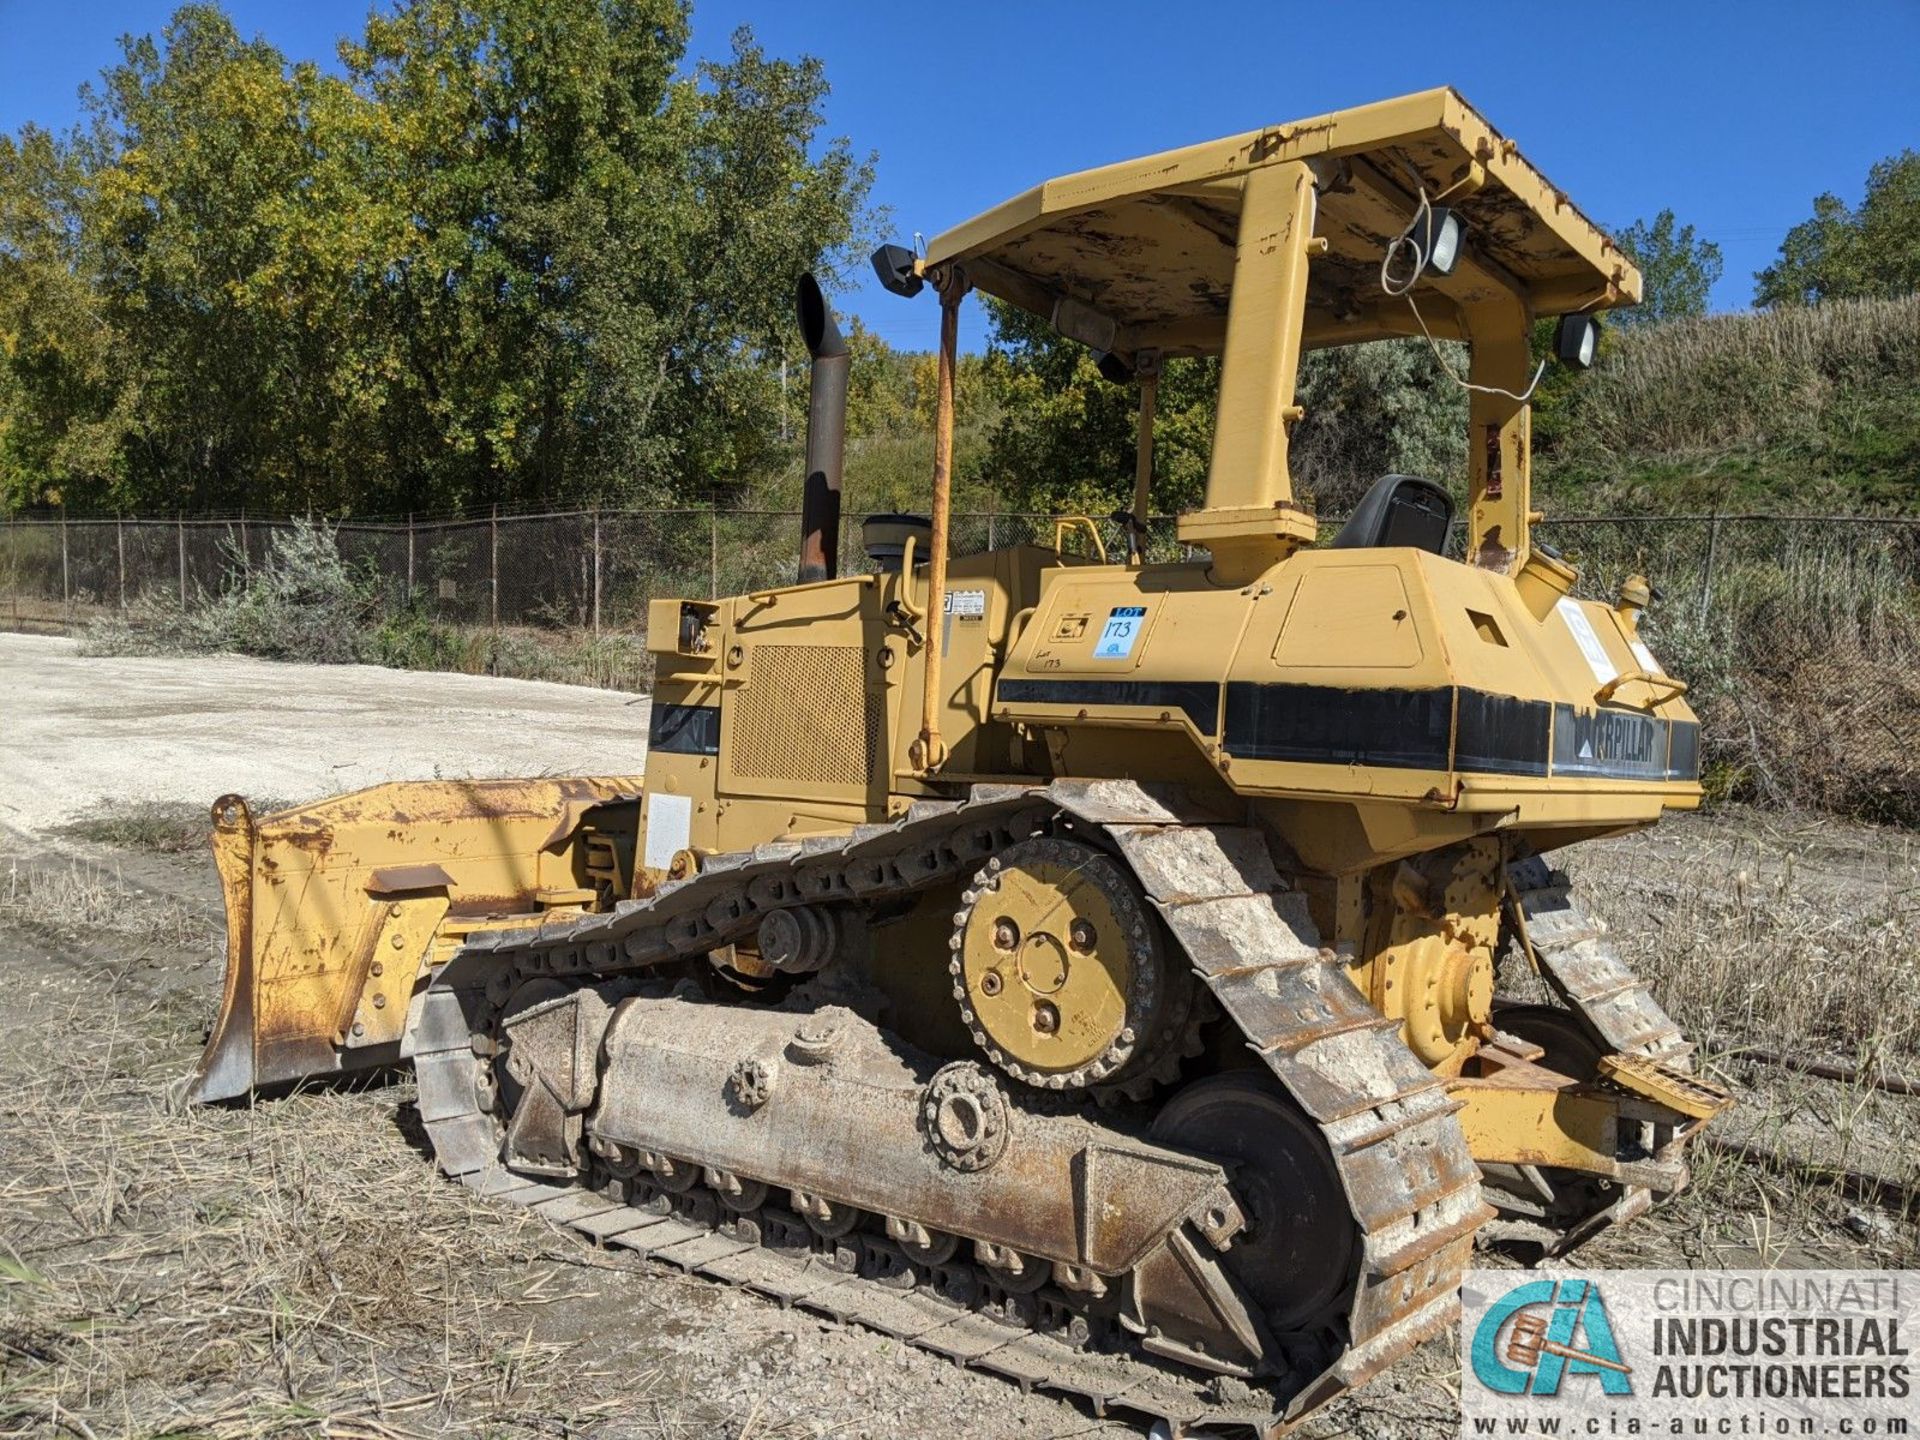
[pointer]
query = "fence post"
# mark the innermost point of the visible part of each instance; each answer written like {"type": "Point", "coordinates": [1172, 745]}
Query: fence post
{"type": "Point", "coordinates": [596, 572]}
{"type": "Point", "coordinates": [66, 580]}
{"type": "Point", "coordinates": [409, 557]}
{"type": "Point", "coordinates": [246, 551]}
{"type": "Point", "coordinates": [713, 547]}
{"type": "Point", "coordinates": [120, 548]}
{"type": "Point", "coordinates": [1706, 586]}
{"type": "Point", "coordinates": [493, 533]}
{"type": "Point", "coordinates": [180, 526]}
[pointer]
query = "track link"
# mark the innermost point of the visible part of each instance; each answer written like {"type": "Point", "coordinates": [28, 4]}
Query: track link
{"type": "Point", "coordinates": [1583, 966]}
{"type": "Point", "coordinates": [1410, 1180]}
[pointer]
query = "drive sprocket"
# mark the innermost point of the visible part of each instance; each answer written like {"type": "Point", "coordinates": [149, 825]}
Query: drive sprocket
{"type": "Point", "coordinates": [1061, 973]}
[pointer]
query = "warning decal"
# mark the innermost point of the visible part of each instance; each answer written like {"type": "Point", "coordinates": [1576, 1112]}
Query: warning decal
{"type": "Point", "coordinates": [1583, 635]}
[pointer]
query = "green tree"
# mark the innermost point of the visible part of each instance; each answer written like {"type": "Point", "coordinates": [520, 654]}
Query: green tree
{"type": "Point", "coordinates": [1064, 440]}
{"type": "Point", "coordinates": [63, 407]}
{"type": "Point", "coordinates": [880, 385]}
{"type": "Point", "coordinates": [1678, 271]}
{"type": "Point", "coordinates": [1844, 253]}
{"type": "Point", "coordinates": [223, 211]}
{"type": "Point", "coordinates": [604, 264]}
{"type": "Point", "coordinates": [520, 251]}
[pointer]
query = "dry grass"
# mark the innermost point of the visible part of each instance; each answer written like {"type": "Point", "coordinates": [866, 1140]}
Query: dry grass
{"type": "Point", "coordinates": [159, 827]}
{"type": "Point", "coordinates": [1796, 934]}
{"type": "Point", "coordinates": [296, 1269]}
{"type": "Point", "coordinates": [291, 1270]}
{"type": "Point", "coordinates": [1790, 932]}
{"type": "Point", "coordinates": [1724, 382]}
{"type": "Point", "coordinates": [87, 897]}
{"type": "Point", "coordinates": [163, 827]}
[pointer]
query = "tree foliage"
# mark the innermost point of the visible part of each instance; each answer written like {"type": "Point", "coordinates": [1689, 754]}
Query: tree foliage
{"type": "Point", "coordinates": [1678, 270]}
{"type": "Point", "coordinates": [1842, 253]}
{"type": "Point", "coordinates": [520, 249]}
{"type": "Point", "coordinates": [1065, 437]}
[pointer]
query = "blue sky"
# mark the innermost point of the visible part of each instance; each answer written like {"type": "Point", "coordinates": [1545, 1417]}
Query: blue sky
{"type": "Point", "coordinates": [1733, 115]}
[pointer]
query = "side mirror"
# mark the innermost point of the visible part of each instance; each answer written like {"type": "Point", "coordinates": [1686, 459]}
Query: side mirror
{"type": "Point", "coordinates": [1576, 341]}
{"type": "Point", "coordinates": [894, 265]}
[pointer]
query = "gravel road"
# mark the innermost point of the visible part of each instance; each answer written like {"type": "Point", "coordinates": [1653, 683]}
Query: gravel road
{"type": "Point", "coordinates": [79, 729]}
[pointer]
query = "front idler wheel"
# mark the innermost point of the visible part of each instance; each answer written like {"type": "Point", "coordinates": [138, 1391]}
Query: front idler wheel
{"type": "Point", "coordinates": [1300, 1253]}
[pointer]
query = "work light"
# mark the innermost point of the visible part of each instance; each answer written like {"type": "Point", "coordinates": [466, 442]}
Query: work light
{"type": "Point", "coordinates": [1440, 240]}
{"type": "Point", "coordinates": [1577, 340]}
{"type": "Point", "coordinates": [894, 265]}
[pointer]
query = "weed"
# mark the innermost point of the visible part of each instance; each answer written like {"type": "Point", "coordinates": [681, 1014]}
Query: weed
{"type": "Point", "coordinates": [164, 827]}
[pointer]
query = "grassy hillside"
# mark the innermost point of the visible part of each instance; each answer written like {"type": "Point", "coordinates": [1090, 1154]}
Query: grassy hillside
{"type": "Point", "coordinates": [1798, 409]}
{"type": "Point", "coordinates": [1785, 411]}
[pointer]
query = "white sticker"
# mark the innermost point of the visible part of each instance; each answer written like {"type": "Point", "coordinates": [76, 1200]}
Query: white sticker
{"type": "Point", "coordinates": [1645, 657]}
{"type": "Point", "coordinates": [1124, 624]}
{"type": "Point", "coordinates": [669, 828]}
{"type": "Point", "coordinates": [1583, 635]}
{"type": "Point", "coordinates": [967, 604]}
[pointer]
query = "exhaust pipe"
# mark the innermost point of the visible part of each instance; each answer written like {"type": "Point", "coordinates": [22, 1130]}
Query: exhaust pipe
{"type": "Point", "coordinates": [826, 435]}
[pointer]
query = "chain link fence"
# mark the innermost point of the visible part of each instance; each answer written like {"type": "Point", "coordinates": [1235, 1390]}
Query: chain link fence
{"type": "Point", "coordinates": [587, 569]}
{"type": "Point", "coordinates": [592, 569]}
{"type": "Point", "coordinates": [1800, 635]}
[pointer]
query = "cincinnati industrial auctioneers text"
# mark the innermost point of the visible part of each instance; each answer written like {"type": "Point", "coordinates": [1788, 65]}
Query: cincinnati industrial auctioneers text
{"type": "Point", "coordinates": [1781, 1347]}
{"type": "Point", "coordinates": [1680, 1353]}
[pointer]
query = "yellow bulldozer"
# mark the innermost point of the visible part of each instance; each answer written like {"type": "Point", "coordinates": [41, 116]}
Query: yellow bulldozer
{"type": "Point", "coordinates": [1082, 967]}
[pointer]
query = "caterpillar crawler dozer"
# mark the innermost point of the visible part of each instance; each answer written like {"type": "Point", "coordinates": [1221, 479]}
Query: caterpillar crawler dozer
{"type": "Point", "coordinates": [1080, 967]}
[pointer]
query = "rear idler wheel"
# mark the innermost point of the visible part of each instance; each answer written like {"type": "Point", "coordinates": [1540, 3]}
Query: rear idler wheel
{"type": "Point", "coordinates": [1572, 1049]}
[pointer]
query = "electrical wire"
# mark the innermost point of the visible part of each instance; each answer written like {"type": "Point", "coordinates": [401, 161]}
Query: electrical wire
{"type": "Point", "coordinates": [1403, 290]}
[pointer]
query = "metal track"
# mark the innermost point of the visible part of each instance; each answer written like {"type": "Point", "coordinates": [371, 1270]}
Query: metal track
{"type": "Point", "coordinates": [1570, 949]}
{"type": "Point", "coordinates": [1410, 1180]}
{"type": "Point", "coordinates": [1579, 961]}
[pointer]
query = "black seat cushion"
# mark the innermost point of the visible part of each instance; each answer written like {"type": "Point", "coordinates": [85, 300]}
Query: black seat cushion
{"type": "Point", "coordinates": [1398, 510]}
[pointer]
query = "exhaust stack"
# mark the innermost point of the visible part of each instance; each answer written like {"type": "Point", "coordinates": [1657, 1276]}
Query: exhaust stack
{"type": "Point", "coordinates": [826, 435]}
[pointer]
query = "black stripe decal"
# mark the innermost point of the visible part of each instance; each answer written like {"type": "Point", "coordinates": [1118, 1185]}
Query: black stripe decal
{"type": "Point", "coordinates": [1502, 735]}
{"type": "Point", "coordinates": [1464, 729]}
{"type": "Point", "coordinates": [1624, 744]}
{"type": "Point", "coordinates": [1199, 700]}
{"type": "Point", "coordinates": [684, 729]}
{"type": "Point", "coordinates": [1403, 729]}
{"type": "Point", "coordinates": [1683, 750]}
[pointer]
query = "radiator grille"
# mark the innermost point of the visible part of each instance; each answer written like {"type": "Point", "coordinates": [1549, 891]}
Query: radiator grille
{"type": "Point", "coordinates": [807, 716]}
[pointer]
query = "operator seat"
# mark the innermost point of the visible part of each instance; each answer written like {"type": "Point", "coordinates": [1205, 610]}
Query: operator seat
{"type": "Point", "coordinates": [1398, 510]}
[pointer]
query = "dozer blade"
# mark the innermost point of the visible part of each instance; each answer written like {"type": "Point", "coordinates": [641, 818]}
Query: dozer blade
{"type": "Point", "coordinates": [337, 911]}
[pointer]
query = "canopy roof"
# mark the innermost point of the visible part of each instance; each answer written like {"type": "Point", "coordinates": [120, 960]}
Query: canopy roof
{"type": "Point", "coordinates": [1150, 243]}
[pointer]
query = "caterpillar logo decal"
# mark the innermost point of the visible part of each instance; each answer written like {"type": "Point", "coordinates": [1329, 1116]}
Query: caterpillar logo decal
{"type": "Point", "coordinates": [1609, 742]}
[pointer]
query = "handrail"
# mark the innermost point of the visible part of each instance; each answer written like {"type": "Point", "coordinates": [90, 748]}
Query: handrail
{"type": "Point", "coordinates": [1675, 688]}
{"type": "Point", "coordinates": [1064, 523]}
{"type": "Point", "coordinates": [905, 602]}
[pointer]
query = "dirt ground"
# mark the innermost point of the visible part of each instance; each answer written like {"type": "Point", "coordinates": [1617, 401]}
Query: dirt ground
{"type": "Point", "coordinates": [298, 1268]}
{"type": "Point", "coordinates": [78, 728]}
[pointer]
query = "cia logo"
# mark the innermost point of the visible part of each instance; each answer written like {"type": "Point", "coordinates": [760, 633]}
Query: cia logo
{"type": "Point", "coordinates": [1537, 1334]}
